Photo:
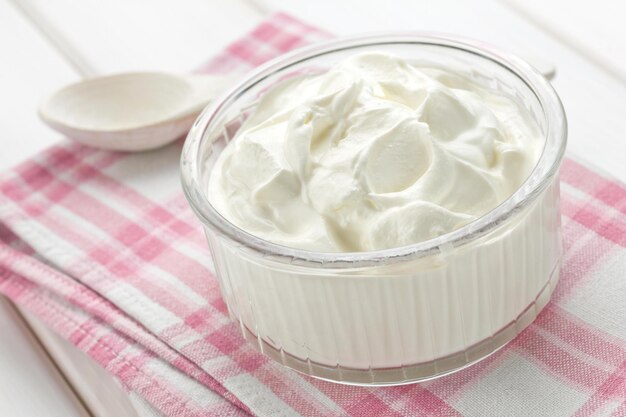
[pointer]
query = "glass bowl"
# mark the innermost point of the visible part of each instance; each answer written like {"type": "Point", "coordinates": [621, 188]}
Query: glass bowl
{"type": "Point", "coordinates": [398, 315]}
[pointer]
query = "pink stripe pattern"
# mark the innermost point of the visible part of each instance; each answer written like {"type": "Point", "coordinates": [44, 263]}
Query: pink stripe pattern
{"type": "Point", "coordinates": [114, 261]}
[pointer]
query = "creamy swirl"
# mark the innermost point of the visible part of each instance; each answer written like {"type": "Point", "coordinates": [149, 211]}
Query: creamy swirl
{"type": "Point", "coordinates": [375, 153]}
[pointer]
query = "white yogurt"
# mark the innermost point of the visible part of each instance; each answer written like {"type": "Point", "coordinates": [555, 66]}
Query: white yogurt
{"type": "Point", "coordinates": [373, 154]}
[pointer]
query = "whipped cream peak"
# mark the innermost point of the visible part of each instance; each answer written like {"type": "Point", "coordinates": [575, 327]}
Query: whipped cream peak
{"type": "Point", "coordinates": [375, 153]}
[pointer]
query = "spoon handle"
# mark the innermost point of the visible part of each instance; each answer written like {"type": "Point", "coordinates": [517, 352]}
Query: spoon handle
{"type": "Point", "coordinates": [208, 87]}
{"type": "Point", "coordinates": [546, 68]}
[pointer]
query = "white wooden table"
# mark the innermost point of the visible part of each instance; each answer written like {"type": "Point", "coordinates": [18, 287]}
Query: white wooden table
{"type": "Point", "coordinates": [45, 44]}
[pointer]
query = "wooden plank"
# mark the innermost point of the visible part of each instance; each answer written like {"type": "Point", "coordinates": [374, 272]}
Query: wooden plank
{"type": "Point", "coordinates": [30, 383]}
{"type": "Point", "coordinates": [595, 29]}
{"type": "Point", "coordinates": [146, 34]}
{"type": "Point", "coordinates": [31, 69]}
{"type": "Point", "coordinates": [97, 389]}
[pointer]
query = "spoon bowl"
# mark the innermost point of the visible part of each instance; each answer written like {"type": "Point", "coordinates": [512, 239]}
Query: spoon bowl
{"type": "Point", "coordinates": [131, 111]}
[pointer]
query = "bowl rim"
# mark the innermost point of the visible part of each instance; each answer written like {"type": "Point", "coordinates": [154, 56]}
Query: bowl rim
{"type": "Point", "coordinates": [538, 180]}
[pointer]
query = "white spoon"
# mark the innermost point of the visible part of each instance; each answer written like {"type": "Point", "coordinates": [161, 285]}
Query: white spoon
{"type": "Point", "coordinates": [133, 111]}
{"type": "Point", "coordinates": [141, 111]}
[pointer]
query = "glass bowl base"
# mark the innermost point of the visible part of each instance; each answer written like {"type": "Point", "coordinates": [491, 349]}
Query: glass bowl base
{"type": "Point", "coordinates": [409, 374]}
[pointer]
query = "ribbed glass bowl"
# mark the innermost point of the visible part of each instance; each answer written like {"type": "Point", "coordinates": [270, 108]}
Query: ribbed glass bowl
{"type": "Point", "coordinates": [397, 315]}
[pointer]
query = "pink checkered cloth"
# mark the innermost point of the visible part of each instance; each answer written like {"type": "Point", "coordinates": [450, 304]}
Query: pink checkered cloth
{"type": "Point", "coordinates": [103, 247]}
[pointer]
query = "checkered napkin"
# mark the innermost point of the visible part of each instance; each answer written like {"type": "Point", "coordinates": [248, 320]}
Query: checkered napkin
{"type": "Point", "coordinates": [103, 247]}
